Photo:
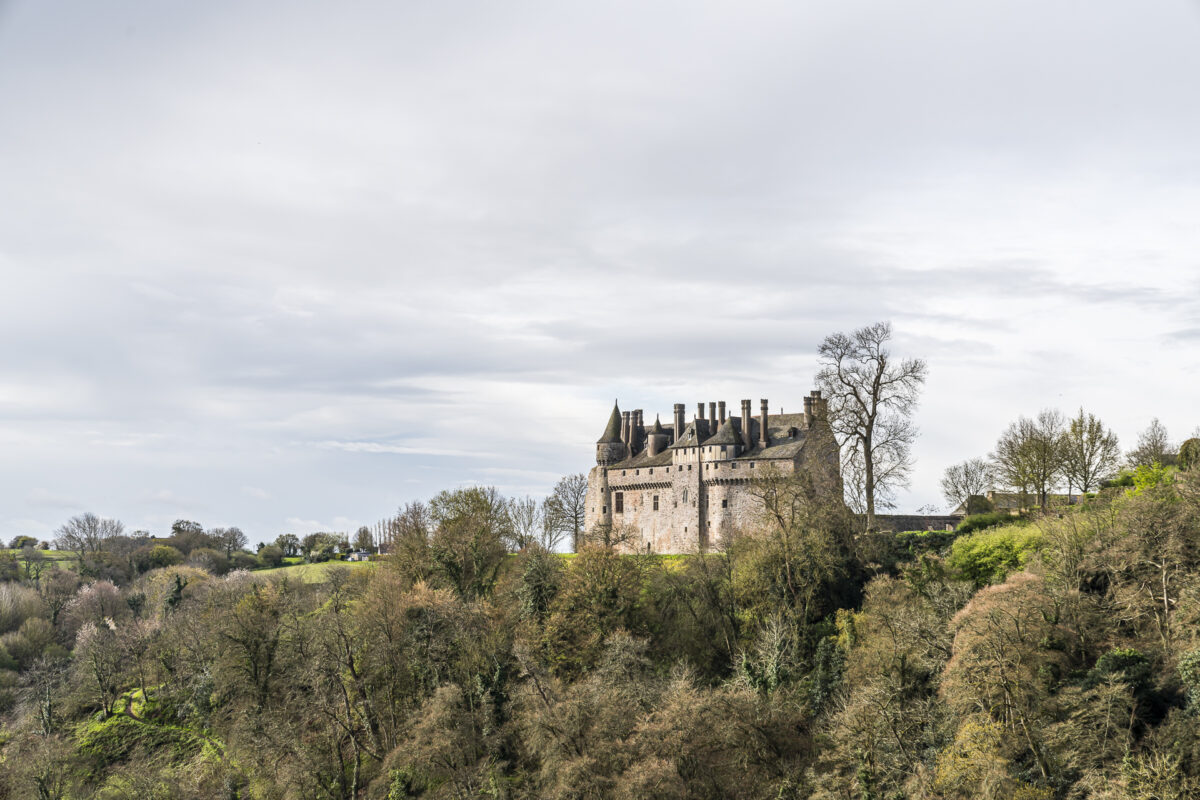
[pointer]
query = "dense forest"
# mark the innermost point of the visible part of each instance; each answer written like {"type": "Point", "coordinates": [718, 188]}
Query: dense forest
{"type": "Point", "coordinates": [1055, 655]}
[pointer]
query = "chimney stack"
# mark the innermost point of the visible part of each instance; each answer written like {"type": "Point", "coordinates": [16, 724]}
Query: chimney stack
{"type": "Point", "coordinates": [712, 415]}
{"type": "Point", "coordinates": [762, 433]}
{"type": "Point", "coordinates": [625, 417]}
{"type": "Point", "coordinates": [746, 425]}
{"type": "Point", "coordinates": [808, 412]}
{"type": "Point", "coordinates": [721, 410]}
{"type": "Point", "coordinates": [678, 423]}
{"type": "Point", "coordinates": [636, 433]}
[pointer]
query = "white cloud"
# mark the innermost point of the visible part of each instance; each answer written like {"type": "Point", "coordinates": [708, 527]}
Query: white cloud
{"type": "Point", "coordinates": [363, 257]}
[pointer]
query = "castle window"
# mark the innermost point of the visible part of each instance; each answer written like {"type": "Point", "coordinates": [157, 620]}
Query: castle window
{"type": "Point", "coordinates": [751, 465]}
{"type": "Point", "coordinates": [685, 495]}
{"type": "Point", "coordinates": [622, 473]}
{"type": "Point", "coordinates": [656, 502]}
{"type": "Point", "coordinates": [652, 470]}
{"type": "Point", "coordinates": [637, 472]}
{"type": "Point", "coordinates": [722, 449]}
{"type": "Point", "coordinates": [733, 465]}
{"type": "Point", "coordinates": [619, 503]}
{"type": "Point", "coordinates": [603, 509]}
{"type": "Point", "coordinates": [689, 467]}
{"type": "Point", "coordinates": [725, 503]}
{"type": "Point", "coordinates": [681, 467]}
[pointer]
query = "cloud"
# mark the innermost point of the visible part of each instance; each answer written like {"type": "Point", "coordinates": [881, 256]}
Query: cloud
{"type": "Point", "coordinates": [240, 255]}
{"type": "Point", "coordinates": [44, 498]}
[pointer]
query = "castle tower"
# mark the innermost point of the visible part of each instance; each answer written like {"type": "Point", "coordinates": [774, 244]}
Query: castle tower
{"type": "Point", "coordinates": [658, 440]}
{"type": "Point", "coordinates": [610, 449]}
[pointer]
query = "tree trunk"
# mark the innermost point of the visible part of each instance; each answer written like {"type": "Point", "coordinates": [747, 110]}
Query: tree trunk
{"type": "Point", "coordinates": [869, 481]}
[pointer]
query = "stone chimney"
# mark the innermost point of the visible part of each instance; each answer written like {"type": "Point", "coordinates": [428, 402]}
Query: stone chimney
{"type": "Point", "coordinates": [637, 433]}
{"type": "Point", "coordinates": [625, 437]}
{"type": "Point", "coordinates": [721, 411]}
{"type": "Point", "coordinates": [746, 425]}
{"type": "Point", "coordinates": [762, 433]}
{"type": "Point", "coordinates": [808, 412]}
{"type": "Point", "coordinates": [712, 415]}
{"type": "Point", "coordinates": [678, 423]}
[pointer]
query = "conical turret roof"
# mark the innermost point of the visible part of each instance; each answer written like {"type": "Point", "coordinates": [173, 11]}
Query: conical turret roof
{"type": "Point", "coordinates": [657, 425]}
{"type": "Point", "coordinates": [612, 431]}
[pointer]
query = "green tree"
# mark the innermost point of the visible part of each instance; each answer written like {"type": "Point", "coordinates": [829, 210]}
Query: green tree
{"type": "Point", "coordinates": [1029, 455]}
{"type": "Point", "coordinates": [1090, 452]}
{"type": "Point", "coordinates": [471, 527]}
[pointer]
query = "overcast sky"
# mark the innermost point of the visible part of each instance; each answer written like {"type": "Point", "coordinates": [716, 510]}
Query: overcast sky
{"type": "Point", "coordinates": [289, 265]}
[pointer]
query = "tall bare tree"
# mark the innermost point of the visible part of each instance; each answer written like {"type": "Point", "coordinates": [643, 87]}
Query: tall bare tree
{"type": "Point", "coordinates": [525, 521]}
{"type": "Point", "coordinates": [1090, 452]}
{"type": "Point", "coordinates": [565, 507]}
{"type": "Point", "coordinates": [1153, 446]}
{"type": "Point", "coordinates": [962, 481]}
{"type": "Point", "coordinates": [1028, 455]}
{"type": "Point", "coordinates": [87, 533]}
{"type": "Point", "coordinates": [871, 399]}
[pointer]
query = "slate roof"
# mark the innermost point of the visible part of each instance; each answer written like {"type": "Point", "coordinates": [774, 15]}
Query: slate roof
{"type": "Point", "coordinates": [612, 431]}
{"type": "Point", "coordinates": [780, 447]}
{"type": "Point", "coordinates": [727, 434]}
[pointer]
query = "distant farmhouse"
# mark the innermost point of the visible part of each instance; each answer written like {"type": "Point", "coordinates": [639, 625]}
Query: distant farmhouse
{"type": "Point", "coordinates": [679, 488]}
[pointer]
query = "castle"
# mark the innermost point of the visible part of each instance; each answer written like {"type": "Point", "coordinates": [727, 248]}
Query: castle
{"type": "Point", "coordinates": [680, 488]}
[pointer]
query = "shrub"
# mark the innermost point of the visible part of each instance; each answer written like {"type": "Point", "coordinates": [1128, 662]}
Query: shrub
{"type": "Point", "coordinates": [912, 543]}
{"type": "Point", "coordinates": [978, 522]}
{"type": "Point", "coordinates": [27, 643]}
{"type": "Point", "coordinates": [17, 604]}
{"type": "Point", "coordinates": [160, 587]}
{"type": "Point", "coordinates": [244, 561]}
{"type": "Point", "coordinates": [156, 556]}
{"type": "Point", "coordinates": [1189, 673]}
{"type": "Point", "coordinates": [210, 560]}
{"type": "Point", "coordinates": [1148, 477]}
{"type": "Point", "coordinates": [21, 542]}
{"type": "Point", "coordinates": [271, 556]}
{"type": "Point", "coordinates": [1124, 478]}
{"type": "Point", "coordinates": [1127, 665]}
{"type": "Point", "coordinates": [990, 555]}
{"type": "Point", "coordinates": [1189, 453]}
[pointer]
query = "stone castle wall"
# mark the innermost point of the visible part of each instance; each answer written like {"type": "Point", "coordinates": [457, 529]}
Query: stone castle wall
{"type": "Point", "coordinates": [698, 504]}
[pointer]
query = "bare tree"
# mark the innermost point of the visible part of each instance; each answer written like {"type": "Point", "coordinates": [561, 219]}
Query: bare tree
{"type": "Point", "coordinates": [525, 520]}
{"type": "Point", "coordinates": [565, 507]}
{"type": "Point", "coordinates": [1153, 447]}
{"type": "Point", "coordinates": [87, 533]}
{"type": "Point", "coordinates": [1090, 452]}
{"type": "Point", "coordinates": [871, 400]}
{"type": "Point", "coordinates": [229, 540]}
{"type": "Point", "coordinates": [1028, 456]}
{"type": "Point", "coordinates": [962, 481]}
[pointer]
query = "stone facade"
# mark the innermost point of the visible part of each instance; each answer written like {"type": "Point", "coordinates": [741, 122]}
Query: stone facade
{"type": "Point", "coordinates": [681, 488]}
